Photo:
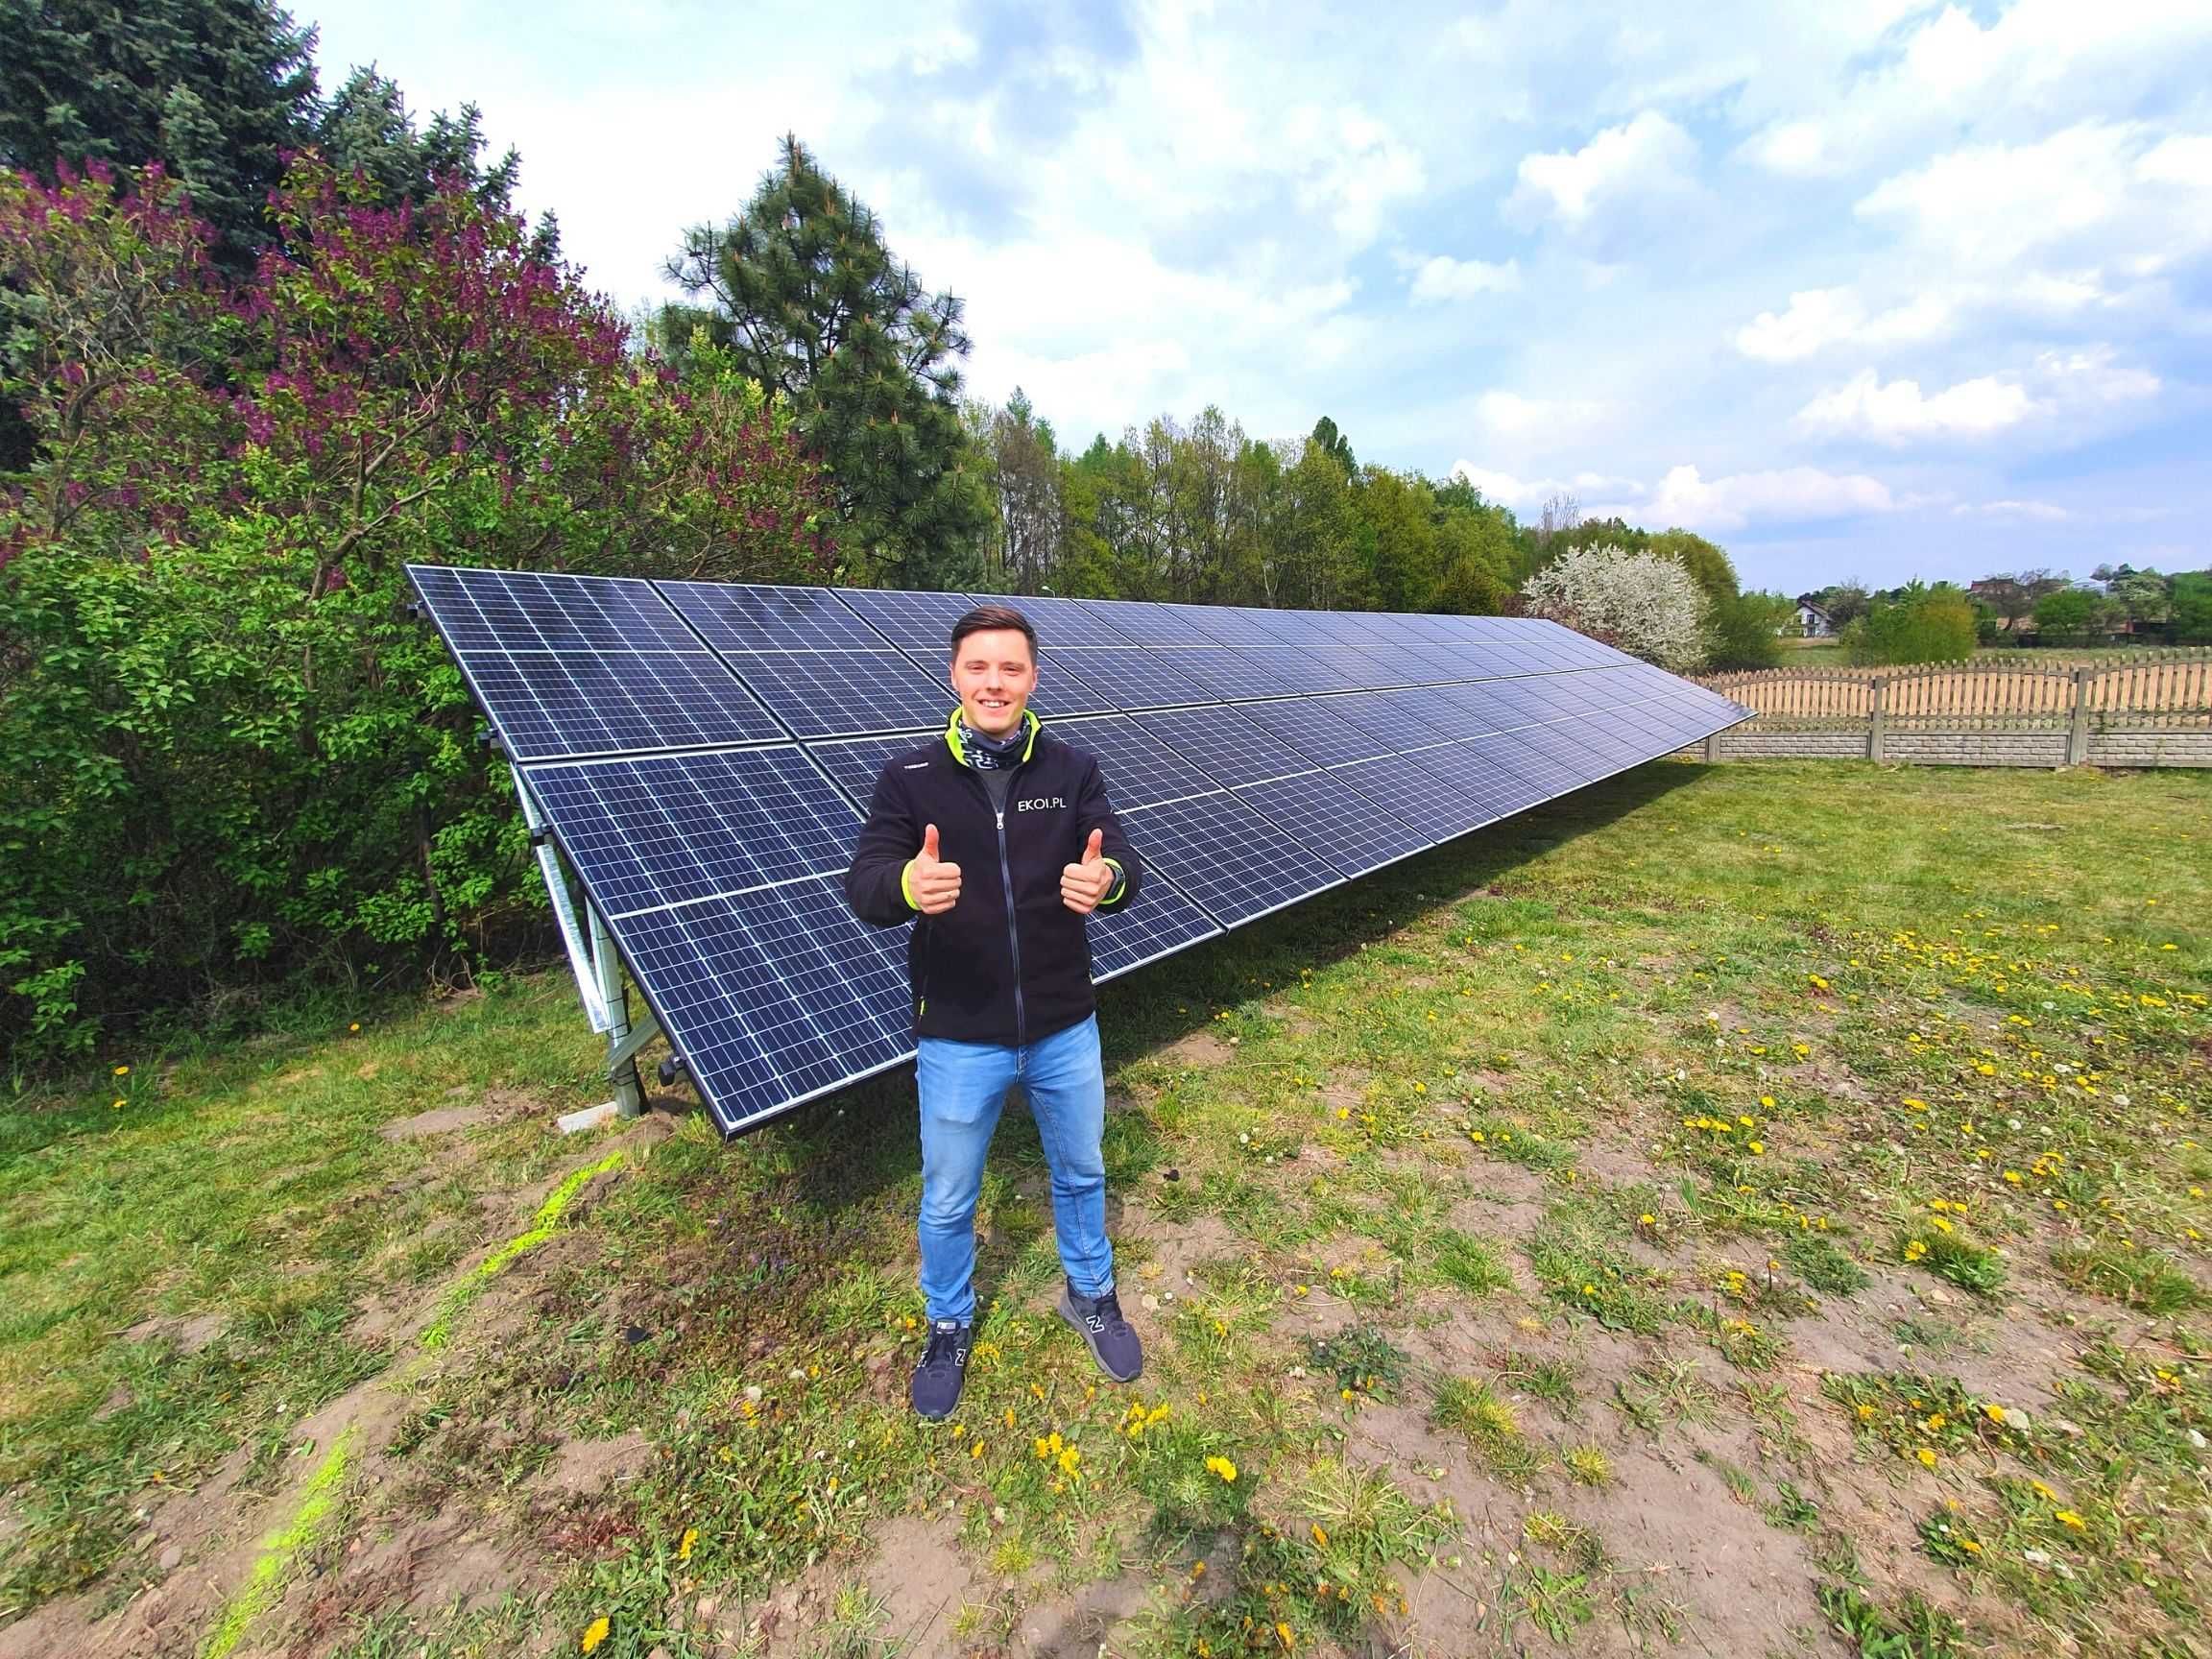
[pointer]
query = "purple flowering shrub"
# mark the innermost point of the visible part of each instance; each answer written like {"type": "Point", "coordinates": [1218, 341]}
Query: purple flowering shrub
{"type": "Point", "coordinates": [231, 763]}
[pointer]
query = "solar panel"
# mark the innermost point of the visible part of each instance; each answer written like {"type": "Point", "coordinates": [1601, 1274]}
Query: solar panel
{"type": "Point", "coordinates": [1225, 745]}
{"type": "Point", "coordinates": [667, 829]}
{"type": "Point", "coordinates": [1153, 624]}
{"type": "Point", "coordinates": [1134, 677]}
{"type": "Point", "coordinates": [1255, 757]}
{"type": "Point", "coordinates": [772, 997]}
{"type": "Point", "coordinates": [1189, 842]}
{"type": "Point", "coordinates": [1322, 811]}
{"type": "Point", "coordinates": [752, 617]}
{"type": "Point", "coordinates": [853, 764]}
{"type": "Point", "coordinates": [1065, 623]}
{"type": "Point", "coordinates": [568, 666]}
{"type": "Point", "coordinates": [1316, 728]}
{"type": "Point", "coordinates": [1159, 921]}
{"type": "Point", "coordinates": [919, 624]}
{"type": "Point", "coordinates": [1140, 769]}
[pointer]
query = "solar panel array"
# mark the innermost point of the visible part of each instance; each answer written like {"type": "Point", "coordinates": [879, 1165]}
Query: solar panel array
{"type": "Point", "coordinates": [706, 752]}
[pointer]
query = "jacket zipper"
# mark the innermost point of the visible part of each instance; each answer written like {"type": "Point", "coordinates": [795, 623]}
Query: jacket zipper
{"type": "Point", "coordinates": [1013, 934]}
{"type": "Point", "coordinates": [1007, 881]}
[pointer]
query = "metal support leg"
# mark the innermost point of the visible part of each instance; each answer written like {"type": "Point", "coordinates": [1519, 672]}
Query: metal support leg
{"type": "Point", "coordinates": [621, 1060]}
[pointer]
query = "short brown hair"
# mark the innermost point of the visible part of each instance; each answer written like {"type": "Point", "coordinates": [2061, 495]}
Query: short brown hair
{"type": "Point", "coordinates": [987, 618]}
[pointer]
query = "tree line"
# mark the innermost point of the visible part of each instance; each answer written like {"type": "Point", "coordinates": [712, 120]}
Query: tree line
{"type": "Point", "coordinates": [260, 344]}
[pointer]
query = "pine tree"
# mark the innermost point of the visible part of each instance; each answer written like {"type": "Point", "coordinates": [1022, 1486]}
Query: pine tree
{"type": "Point", "coordinates": [818, 310]}
{"type": "Point", "coordinates": [216, 89]}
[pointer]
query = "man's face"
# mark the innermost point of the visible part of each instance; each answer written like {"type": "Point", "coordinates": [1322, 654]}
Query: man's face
{"type": "Point", "coordinates": [993, 672]}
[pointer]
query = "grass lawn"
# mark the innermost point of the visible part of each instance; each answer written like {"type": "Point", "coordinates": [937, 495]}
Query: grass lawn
{"type": "Point", "coordinates": [1747, 1209]}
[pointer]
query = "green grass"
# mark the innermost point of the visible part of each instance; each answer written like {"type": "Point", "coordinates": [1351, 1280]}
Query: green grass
{"type": "Point", "coordinates": [1978, 999]}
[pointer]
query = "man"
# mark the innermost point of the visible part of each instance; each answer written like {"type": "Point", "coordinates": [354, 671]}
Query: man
{"type": "Point", "coordinates": [1000, 840]}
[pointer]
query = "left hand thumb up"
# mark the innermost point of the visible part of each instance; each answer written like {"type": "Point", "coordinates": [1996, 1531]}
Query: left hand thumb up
{"type": "Point", "coordinates": [1092, 848]}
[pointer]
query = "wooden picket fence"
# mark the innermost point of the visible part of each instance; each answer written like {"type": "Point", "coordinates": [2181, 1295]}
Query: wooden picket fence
{"type": "Point", "coordinates": [2149, 689]}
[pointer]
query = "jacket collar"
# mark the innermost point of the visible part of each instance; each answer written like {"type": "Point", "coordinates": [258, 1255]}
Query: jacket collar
{"type": "Point", "coordinates": [952, 735]}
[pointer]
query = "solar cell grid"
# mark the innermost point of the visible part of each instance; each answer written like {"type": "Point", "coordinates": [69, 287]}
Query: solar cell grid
{"type": "Point", "coordinates": [508, 610]}
{"type": "Point", "coordinates": [548, 705]}
{"type": "Point", "coordinates": [1315, 728]}
{"type": "Point", "coordinates": [1261, 770]}
{"type": "Point", "coordinates": [1159, 919]}
{"type": "Point", "coordinates": [1321, 811]}
{"type": "Point", "coordinates": [1414, 794]}
{"type": "Point", "coordinates": [773, 996]}
{"type": "Point", "coordinates": [1133, 678]}
{"type": "Point", "coordinates": [1061, 624]}
{"type": "Point", "coordinates": [1191, 842]}
{"type": "Point", "coordinates": [1149, 623]}
{"type": "Point", "coordinates": [1140, 769]}
{"type": "Point", "coordinates": [837, 693]}
{"type": "Point", "coordinates": [753, 617]}
{"type": "Point", "coordinates": [1063, 689]}
{"type": "Point", "coordinates": [919, 624]}
{"type": "Point", "coordinates": [1225, 745]}
{"type": "Point", "coordinates": [1221, 671]}
{"type": "Point", "coordinates": [667, 829]}
{"type": "Point", "coordinates": [854, 765]}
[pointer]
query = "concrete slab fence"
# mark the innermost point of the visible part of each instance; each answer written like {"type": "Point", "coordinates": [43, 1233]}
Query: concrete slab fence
{"type": "Point", "coordinates": [2138, 709]}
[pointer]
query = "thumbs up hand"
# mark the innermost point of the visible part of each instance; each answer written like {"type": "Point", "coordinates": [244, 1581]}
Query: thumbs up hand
{"type": "Point", "coordinates": [1083, 884]}
{"type": "Point", "coordinates": [934, 883]}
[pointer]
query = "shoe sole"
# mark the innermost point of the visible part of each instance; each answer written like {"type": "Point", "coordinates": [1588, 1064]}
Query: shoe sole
{"type": "Point", "coordinates": [1068, 1313]}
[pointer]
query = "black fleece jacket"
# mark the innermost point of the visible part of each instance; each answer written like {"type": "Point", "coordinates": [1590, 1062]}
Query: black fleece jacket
{"type": "Point", "coordinates": [1009, 963]}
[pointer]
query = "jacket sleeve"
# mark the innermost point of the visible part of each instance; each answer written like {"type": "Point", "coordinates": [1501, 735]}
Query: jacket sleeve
{"type": "Point", "coordinates": [875, 885]}
{"type": "Point", "coordinates": [1094, 811]}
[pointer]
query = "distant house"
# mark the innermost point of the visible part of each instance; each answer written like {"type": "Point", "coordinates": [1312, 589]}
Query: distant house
{"type": "Point", "coordinates": [1813, 619]}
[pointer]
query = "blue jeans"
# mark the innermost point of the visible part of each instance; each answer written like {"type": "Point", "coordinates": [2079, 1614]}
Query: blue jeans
{"type": "Point", "coordinates": [963, 1085]}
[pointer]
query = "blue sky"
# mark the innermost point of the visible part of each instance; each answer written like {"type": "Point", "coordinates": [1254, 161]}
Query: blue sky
{"type": "Point", "coordinates": [1857, 288]}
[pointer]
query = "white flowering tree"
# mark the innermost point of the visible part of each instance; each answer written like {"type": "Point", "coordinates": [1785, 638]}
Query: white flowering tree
{"type": "Point", "coordinates": [1648, 606]}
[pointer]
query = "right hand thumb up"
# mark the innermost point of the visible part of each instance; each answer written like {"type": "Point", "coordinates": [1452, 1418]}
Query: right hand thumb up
{"type": "Point", "coordinates": [932, 884]}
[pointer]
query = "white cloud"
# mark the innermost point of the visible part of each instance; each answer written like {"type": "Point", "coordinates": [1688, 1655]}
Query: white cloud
{"type": "Point", "coordinates": [1648, 156]}
{"type": "Point", "coordinates": [1898, 412]}
{"type": "Point", "coordinates": [1989, 204]}
{"type": "Point", "coordinates": [2036, 65]}
{"type": "Point", "coordinates": [1787, 493]}
{"type": "Point", "coordinates": [1687, 500]}
{"type": "Point", "coordinates": [1444, 277]}
{"type": "Point", "coordinates": [2013, 512]}
{"type": "Point", "coordinates": [1527, 495]}
{"type": "Point", "coordinates": [1818, 318]}
{"type": "Point", "coordinates": [1508, 414]}
{"type": "Point", "coordinates": [1351, 167]}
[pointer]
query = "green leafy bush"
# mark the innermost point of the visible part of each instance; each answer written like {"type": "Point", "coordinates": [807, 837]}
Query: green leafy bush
{"type": "Point", "coordinates": [1925, 624]}
{"type": "Point", "coordinates": [232, 759]}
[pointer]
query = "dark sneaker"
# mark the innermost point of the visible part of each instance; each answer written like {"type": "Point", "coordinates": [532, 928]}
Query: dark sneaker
{"type": "Point", "coordinates": [1113, 1339]}
{"type": "Point", "coordinates": [936, 1387]}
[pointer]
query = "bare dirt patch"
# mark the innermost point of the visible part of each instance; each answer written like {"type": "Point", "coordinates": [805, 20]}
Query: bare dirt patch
{"type": "Point", "coordinates": [924, 1580]}
{"type": "Point", "coordinates": [188, 1332]}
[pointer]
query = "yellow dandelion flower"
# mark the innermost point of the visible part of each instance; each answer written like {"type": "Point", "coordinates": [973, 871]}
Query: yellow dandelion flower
{"type": "Point", "coordinates": [2071, 1518]}
{"type": "Point", "coordinates": [1222, 1467]}
{"type": "Point", "coordinates": [1927, 1455]}
{"type": "Point", "coordinates": [1994, 1412]}
{"type": "Point", "coordinates": [1647, 1219]}
{"type": "Point", "coordinates": [1282, 1635]}
{"type": "Point", "coordinates": [1320, 1537]}
{"type": "Point", "coordinates": [976, 1449]}
{"type": "Point", "coordinates": [2041, 1491]}
{"type": "Point", "coordinates": [122, 1070]}
{"type": "Point", "coordinates": [691, 1542]}
{"type": "Point", "coordinates": [594, 1633]}
{"type": "Point", "coordinates": [1914, 1249]}
{"type": "Point", "coordinates": [1757, 1146]}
